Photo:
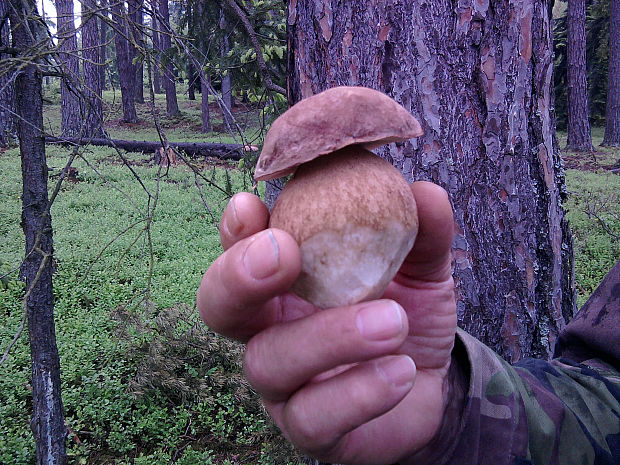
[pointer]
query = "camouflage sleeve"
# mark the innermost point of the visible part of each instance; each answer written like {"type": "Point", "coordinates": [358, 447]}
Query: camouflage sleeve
{"type": "Point", "coordinates": [560, 412]}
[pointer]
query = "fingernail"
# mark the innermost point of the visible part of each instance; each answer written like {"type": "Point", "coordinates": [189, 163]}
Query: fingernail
{"type": "Point", "coordinates": [399, 370]}
{"type": "Point", "coordinates": [380, 320]}
{"type": "Point", "coordinates": [262, 256]}
{"type": "Point", "coordinates": [231, 220]}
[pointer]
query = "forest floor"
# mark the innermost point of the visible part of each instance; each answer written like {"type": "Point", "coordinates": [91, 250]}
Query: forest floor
{"type": "Point", "coordinates": [144, 382]}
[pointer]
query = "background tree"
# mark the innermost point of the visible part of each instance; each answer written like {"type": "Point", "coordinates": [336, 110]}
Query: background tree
{"type": "Point", "coordinates": [156, 42]}
{"type": "Point", "coordinates": [479, 80]}
{"type": "Point", "coordinates": [7, 95]}
{"type": "Point", "coordinates": [71, 123]}
{"type": "Point", "coordinates": [91, 64]}
{"type": "Point", "coordinates": [103, 41]}
{"type": "Point", "coordinates": [172, 105]}
{"type": "Point", "coordinates": [47, 422]}
{"type": "Point", "coordinates": [225, 72]}
{"type": "Point", "coordinates": [135, 12]}
{"type": "Point", "coordinates": [612, 114]}
{"type": "Point", "coordinates": [579, 134]}
{"type": "Point", "coordinates": [126, 70]}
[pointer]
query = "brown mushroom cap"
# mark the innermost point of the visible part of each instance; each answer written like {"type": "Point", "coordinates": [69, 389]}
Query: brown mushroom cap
{"type": "Point", "coordinates": [329, 121]}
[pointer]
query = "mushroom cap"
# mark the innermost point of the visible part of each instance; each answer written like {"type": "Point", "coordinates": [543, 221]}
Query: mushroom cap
{"type": "Point", "coordinates": [329, 121]}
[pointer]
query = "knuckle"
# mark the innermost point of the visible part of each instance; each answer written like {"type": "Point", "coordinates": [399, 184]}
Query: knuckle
{"type": "Point", "coordinates": [305, 433]}
{"type": "Point", "coordinates": [254, 365]}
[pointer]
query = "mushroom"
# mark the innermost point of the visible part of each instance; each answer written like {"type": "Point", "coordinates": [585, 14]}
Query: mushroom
{"type": "Point", "coordinates": [351, 212]}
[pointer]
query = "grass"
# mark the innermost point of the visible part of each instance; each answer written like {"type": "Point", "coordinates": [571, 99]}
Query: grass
{"type": "Point", "coordinates": [144, 382]}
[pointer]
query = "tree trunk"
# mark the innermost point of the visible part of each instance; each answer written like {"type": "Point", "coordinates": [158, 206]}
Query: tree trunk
{"type": "Point", "coordinates": [47, 416]}
{"type": "Point", "coordinates": [579, 135]}
{"type": "Point", "coordinates": [70, 102]}
{"type": "Point", "coordinates": [612, 110]}
{"type": "Point", "coordinates": [7, 93]}
{"type": "Point", "coordinates": [193, 149]}
{"type": "Point", "coordinates": [136, 26]}
{"type": "Point", "coordinates": [479, 80]}
{"type": "Point", "coordinates": [103, 41]}
{"type": "Point", "coordinates": [91, 54]}
{"type": "Point", "coordinates": [156, 68]}
{"type": "Point", "coordinates": [226, 76]}
{"type": "Point", "coordinates": [126, 71]}
{"type": "Point", "coordinates": [191, 80]}
{"type": "Point", "coordinates": [204, 102]}
{"type": "Point", "coordinates": [172, 106]}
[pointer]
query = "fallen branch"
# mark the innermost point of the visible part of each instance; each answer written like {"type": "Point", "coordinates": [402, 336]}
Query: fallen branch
{"type": "Point", "coordinates": [192, 149]}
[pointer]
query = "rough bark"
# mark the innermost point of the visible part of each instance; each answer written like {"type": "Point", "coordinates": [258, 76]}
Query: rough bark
{"type": "Point", "coordinates": [136, 26]}
{"type": "Point", "coordinates": [91, 56]}
{"type": "Point", "coordinates": [126, 71]}
{"type": "Point", "coordinates": [579, 135]}
{"type": "Point", "coordinates": [612, 109]}
{"type": "Point", "coordinates": [70, 102]}
{"type": "Point", "coordinates": [47, 416]}
{"type": "Point", "coordinates": [227, 98]}
{"type": "Point", "coordinates": [7, 93]}
{"type": "Point", "coordinates": [479, 80]}
{"type": "Point", "coordinates": [172, 106]}
{"type": "Point", "coordinates": [192, 149]}
{"type": "Point", "coordinates": [103, 42]}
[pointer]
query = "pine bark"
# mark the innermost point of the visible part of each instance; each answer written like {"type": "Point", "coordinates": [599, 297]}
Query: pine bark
{"type": "Point", "coordinates": [126, 71]}
{"type": "Point", "coordinates": [7, 90]}
{"type": "Point", "coordinates": [478, 78]}
{"type": "Point", "coordinates": [612, 109]}
{"type": "Point", "coordinates": [172, 105]}
{"type": "Point", "coordinates": [47, 421]}
{"type": "Point", "coordinates": [579, 134]}
{"type": "Point", "coordinates": [70, 101]}
{"type": "Point", "coordinates": [91, 56]}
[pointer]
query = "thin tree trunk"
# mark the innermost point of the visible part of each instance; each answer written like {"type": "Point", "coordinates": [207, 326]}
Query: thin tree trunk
{"type": "Point", "coordinates": [126, 72]}
{"type": "Point", "coordinates": [204, 102]}
{"type": "Point", "coordinates": [226, 76]}
{"type": "Point", "coordinates": [579, 134]}
{"type": "Point", "coordinates": [612, 110]}
{"type": "Point", "coordinates": [157, 55]}
{"type": "Point", "coordinates": [91, 54]}
{"type": "Point", "coordinates": [136, 26]}
{"type": "Point", "coordinates": [47, 414]}
{"type": "Point", "coordinates": [7, 92]}
{"type": "Point", "coordinates": [479, 80]}
{"type": "Point", "coordinates": [191, 79]}
{"type": "Point", "coordinates": [172, 106]}
{"type": "Point", "coordinates": [103, 40]}
{"type": "Point", "coordinates": [70, 102]}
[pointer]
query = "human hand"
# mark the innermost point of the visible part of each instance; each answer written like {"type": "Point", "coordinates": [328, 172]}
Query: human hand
{"type": "Point", "coordinates": [341, 383]}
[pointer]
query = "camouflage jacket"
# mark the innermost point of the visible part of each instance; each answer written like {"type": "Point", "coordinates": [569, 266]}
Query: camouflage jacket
{"type": "Point", "coordinates": [560, 412]}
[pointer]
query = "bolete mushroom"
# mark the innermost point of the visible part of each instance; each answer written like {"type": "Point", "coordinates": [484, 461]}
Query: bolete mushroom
{"type": "Point", "coordinates": [351, 212]}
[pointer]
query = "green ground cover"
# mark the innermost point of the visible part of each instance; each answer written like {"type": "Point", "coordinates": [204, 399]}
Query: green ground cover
{"type": "Point", "coordinates": [144, 382]}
